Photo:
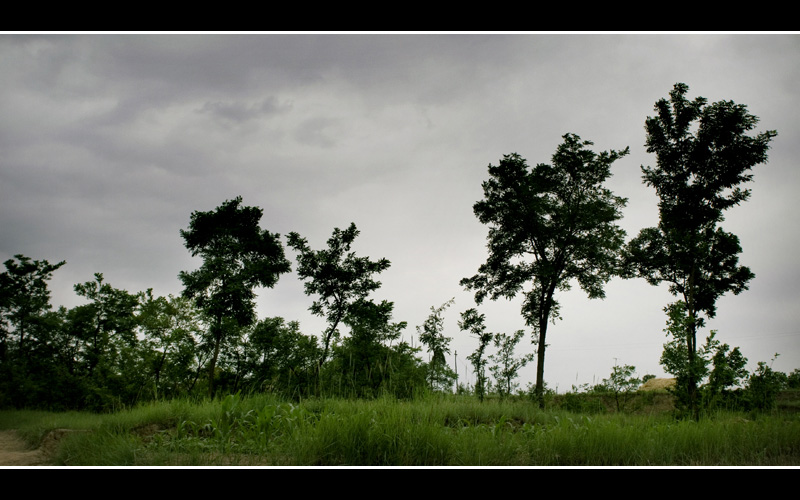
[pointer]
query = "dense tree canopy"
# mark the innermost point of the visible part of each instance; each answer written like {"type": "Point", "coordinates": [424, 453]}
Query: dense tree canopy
{"type": "Point", "coordinates": [26, 324]}
{"type": "Point", "coordinates": [373, 359]}
{"type": "Point", "coordinates": [24, 297]}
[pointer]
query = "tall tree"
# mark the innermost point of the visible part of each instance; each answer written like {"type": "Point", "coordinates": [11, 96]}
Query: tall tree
{"type": "Point", "coordinates": [336, 276]}
{"type": "Point", "coordinates": [549, 225]}
{"type": "Point", "coordinates": [237, 257]}
{"type": "Point", "coordinates": [703, 155]}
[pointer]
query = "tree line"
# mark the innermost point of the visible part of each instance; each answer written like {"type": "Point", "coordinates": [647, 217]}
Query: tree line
{"type": "Point", "coordinates": [550, 226]}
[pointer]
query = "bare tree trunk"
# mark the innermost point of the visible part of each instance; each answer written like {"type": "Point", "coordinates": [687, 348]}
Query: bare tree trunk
{"type": "Point", "coordinates": [213, 366]}
{"type": "Point", "coordinates": [540, 361]}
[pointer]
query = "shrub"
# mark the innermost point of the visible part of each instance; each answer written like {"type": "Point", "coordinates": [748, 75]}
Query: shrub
{"type": "Point", "coordinates": [793, 379]}
{"type": "Point", "coordinates": [763, 387]}
{"type": "Point", "coordinates": [622, 384]}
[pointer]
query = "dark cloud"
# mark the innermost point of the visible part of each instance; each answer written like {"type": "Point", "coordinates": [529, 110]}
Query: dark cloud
{"type": "Point", "coordinates": [238, 112]}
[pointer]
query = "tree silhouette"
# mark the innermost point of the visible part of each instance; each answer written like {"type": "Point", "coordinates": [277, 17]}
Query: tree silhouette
{"type": "Point", "coordinates": [703, 155]}
{"type": "Point", "coordinates": [549, 225]}
{"type": "Point", "coordinates": [336, 276]}
{"type": "Point", "coordinates": [237, 257]}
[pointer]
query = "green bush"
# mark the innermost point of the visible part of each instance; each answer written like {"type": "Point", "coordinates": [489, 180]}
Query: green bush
{"type": "Point", "coordinates": [582, 403]}
{"type": "Point", "coordinates": [793, 379]}
{"type": "Point", "coordinates": [763, 387]}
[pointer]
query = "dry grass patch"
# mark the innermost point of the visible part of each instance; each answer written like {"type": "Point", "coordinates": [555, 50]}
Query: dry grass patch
{"type": "Point", "coordinates": [656, 384]}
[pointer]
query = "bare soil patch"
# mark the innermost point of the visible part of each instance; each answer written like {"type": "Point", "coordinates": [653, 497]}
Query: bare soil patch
{"type": "Point", "coordinates": [14, 451]}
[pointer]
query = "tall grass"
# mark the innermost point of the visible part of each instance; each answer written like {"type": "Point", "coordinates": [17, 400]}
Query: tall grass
{"type": "Point", "coordinates": [432, 431]}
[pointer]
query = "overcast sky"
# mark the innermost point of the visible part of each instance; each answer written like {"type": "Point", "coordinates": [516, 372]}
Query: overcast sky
{"type": "Point", "coordinates": [108, 143]}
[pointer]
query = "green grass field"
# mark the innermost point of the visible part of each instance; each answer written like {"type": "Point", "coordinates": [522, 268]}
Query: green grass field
{"type": "Point", "coordinates": [262, 430]}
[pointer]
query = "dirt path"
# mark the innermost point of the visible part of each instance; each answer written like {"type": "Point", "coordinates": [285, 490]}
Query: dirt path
{"type": "Point", "coordinates": [14, 451]}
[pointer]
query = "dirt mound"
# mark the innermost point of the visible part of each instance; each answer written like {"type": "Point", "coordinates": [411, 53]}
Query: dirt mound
{"type": "Point", "coordinates": [655, 384]}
